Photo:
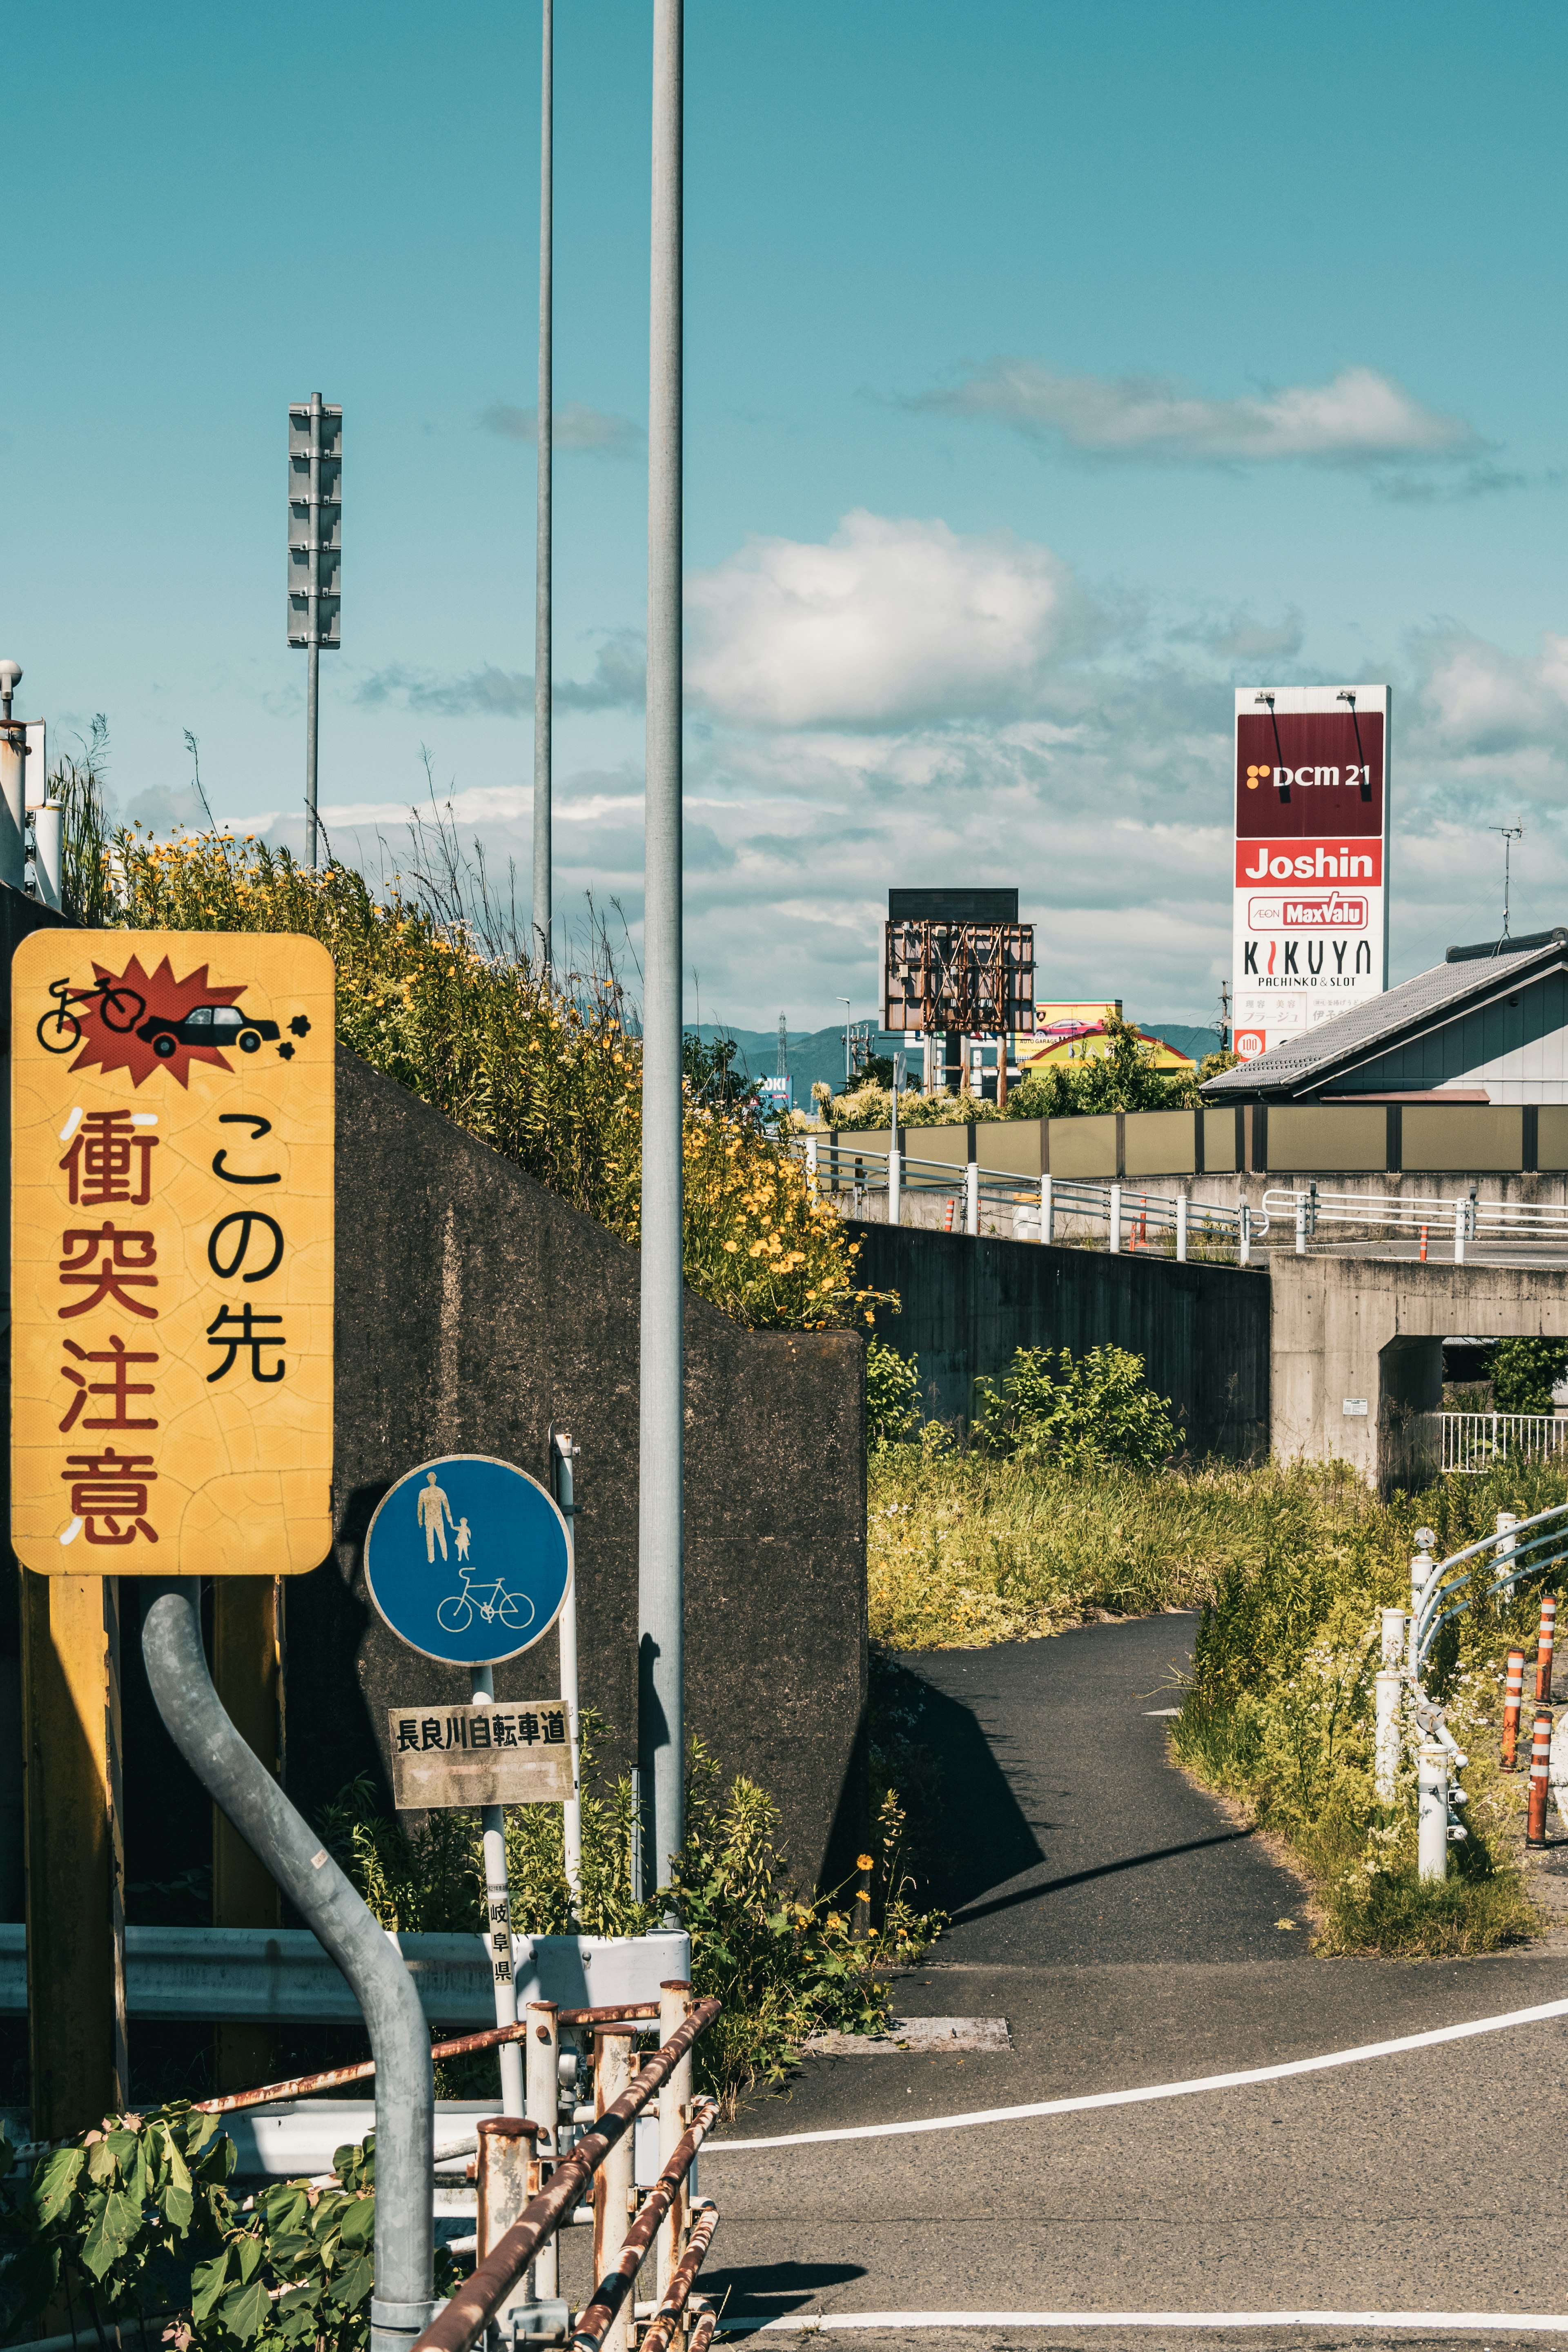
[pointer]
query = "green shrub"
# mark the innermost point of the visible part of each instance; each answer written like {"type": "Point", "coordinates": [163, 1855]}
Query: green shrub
{"type": "Point", "coordinates": [783, 1966]}
{"type": "Point", "coordinates": [892, 1395]}
{"type": "Point", "coordinates": [1080, 1412]}
{"type": "Point", "coordinates": [1524, 1372]}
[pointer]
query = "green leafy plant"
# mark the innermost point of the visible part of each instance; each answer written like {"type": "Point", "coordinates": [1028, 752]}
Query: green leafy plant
{"type": "Point", "coordinates": [784, 1966]}
{"type": "Point", "coordinates": [1079, 1411]}
{"type": "Point", "coordinates": [892, 1395]}
{"type": "Point", "coordinates": [135, 2219]}
{"type": "Point", "coordinates": [1524, 1372]}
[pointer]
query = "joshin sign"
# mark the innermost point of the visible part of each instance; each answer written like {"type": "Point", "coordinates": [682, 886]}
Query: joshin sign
{"type": "Point", "coordinates": [1311, 856]}
{"type": "Point", "coordinates": [172, 1253]}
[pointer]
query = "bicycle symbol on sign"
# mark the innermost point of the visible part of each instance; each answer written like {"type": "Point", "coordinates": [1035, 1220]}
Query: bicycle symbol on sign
{"type": "Point", "coordinates": [120, 1008]}
{"type": "Point", "coordinates": [455, 1613]}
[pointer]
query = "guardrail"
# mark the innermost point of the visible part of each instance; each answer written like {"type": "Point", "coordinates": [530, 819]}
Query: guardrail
{"type": "Point", "coordinates": [1433, 1220]}
{"type": "Point", "coordinates": [531, 2197]}
{"type": "Point", "coordinates": [1440, 1590]}
{"type": "Point", "coordinates": [1061, 1207]}
{"type": "Point", "coordinates": [282, 1976]}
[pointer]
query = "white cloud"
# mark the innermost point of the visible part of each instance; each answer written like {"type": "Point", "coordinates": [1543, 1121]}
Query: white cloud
{"type": "Point", "coordinates": [1478, 702]}
{"type": "Point", "coordinates": [572, 427]}
{"type": "Point", "coordinates": [1361, 418]}
{"type": "Point", "coordinates": [888, 619]}
{"type": "Point", "coordinates": [618, 684]}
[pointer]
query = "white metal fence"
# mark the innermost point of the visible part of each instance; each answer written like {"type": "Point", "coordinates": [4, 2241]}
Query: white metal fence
{"type": "Point", "coordinates": [1071, 1209]}
{"type": "Point", "coordinates": [1443, 1227]}
{"type": "Point", "coordinates": [1477, 1440]}
{"type": "Point", "coordinates": [1057, 1209]}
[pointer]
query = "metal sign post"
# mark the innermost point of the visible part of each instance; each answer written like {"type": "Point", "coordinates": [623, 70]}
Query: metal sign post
{"type": "Point", "coordinates": [469, 1560]}
{"type": "Point", "coordinates": [315, 548]}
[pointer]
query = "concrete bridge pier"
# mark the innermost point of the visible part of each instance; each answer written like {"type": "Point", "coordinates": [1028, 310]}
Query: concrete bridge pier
{"type": "Point", "coordinates": [1356, 1350]}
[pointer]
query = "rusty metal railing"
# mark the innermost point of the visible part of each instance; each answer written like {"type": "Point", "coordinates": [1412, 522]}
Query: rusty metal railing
{"type": "Point", "coordinates": [305, 2086]}
{"type": "Point", "coordinates": [665, 2223]}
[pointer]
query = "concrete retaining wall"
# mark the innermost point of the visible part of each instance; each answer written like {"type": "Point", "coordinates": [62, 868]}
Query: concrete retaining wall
{"type": "Point", "coordinates": [1203, 1330]}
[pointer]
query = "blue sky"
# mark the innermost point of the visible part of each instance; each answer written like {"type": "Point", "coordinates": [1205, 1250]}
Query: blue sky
{"type": "Point", "coordinates": [1050, 371]}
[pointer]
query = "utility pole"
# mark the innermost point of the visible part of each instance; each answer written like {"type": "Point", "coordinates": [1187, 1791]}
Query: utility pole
{"type": "Point", "coordinates": [315, 547]}
{"type": "Point", "coordinates": [542, 654]}
{"type": "Point", "coordinates": [849, 1072]}
{"type": "Point", "coordinates": [661, 1712]}
{"type": "Point", "coordinates": [783, 1070]}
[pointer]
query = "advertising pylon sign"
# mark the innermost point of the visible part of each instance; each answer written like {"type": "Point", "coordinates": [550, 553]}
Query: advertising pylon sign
{"type": "Point", "coordinates": [1310, 927]}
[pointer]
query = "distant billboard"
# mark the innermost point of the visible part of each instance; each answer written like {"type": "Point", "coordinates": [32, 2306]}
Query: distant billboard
{"type": "Point", "coordinates": [776, 1095]}
{"type": "Point", "coordinates": [1310, 927]}
{"type": "Point", "coordinates": [957, 962]}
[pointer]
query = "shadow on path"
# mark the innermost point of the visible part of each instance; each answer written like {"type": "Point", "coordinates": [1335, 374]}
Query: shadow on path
{"type": "Point", "coordinates": [1055, 1829]}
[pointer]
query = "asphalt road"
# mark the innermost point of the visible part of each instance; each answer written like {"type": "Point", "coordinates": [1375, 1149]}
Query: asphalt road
{"type": "Point", "coordinates": [1109, 1912]}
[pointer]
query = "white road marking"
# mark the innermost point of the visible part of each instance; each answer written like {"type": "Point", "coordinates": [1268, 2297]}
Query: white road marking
{"type": "Point", "coordinates": [815, 2323]}
{"type": "Point", "coordinates": [1428, 2040]}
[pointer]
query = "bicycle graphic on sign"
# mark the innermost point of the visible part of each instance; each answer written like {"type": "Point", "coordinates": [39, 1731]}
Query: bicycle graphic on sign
{"type": "Point", "coordinates": [493, 1602]}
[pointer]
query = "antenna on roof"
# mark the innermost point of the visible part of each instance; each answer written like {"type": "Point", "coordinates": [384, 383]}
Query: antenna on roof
{"type": "Point", "coordinates": [1510, 833]}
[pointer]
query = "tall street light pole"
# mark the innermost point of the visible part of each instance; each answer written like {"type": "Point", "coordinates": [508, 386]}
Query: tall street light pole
{"type": "Point", "coordinates": [661, 1733]}
{"type": "Point", "coordinates": [542, 647]}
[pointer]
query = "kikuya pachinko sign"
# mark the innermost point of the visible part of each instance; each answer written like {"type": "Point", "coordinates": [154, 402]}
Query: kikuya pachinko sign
{"type": "Point", "coordinates": [1309, 930]}
{"type": "Point", "coordinates": [172, 1253]}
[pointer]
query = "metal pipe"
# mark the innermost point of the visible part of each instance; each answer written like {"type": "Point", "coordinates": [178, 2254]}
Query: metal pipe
{"type": "Point", "coordinates": [48, 853]}
{"type": "Point", "coordinates": [1300, 1225]}
{"type": "Point", "coordinates": [1432, 1813]}
{"type": "Point", "coordinates": [1544, 1642]}
{"type": "Point", "coordinates": [971, 1198]}
{"type": "Point", "coordinates": [566, 1632]}
{"type": "Point", "coordinates": [543, 2106]}
{"type": "Point", "coordinates": [615, 2194]}
{"type": "Point", "coordinates": [1388, 1687]}
{"type": "Point", "coordinates": [607, 2323]}
{"type": "Point", "coordinates": [1512, 1699]}
{"type": "Point", "coordinates": [506, 2174]}
{"type": "Point", "coordinates": [1244, 1236]}
{"type": "Point", "coordinates": [401, 2304]}
{"type": "Point", "coordinates": [313, 657]}
{"type": "Point", "coordinates": [1458, 1233]}
{"type": "Point", "coordinates": [667, 2318]}
{"type": "Point", "coordinates": [1114, 1218]}
{"type": "Point", "coordinates": [1047, 1212]}
{"type": "Point", "coordinates": [661, 1718]}
{"type": "Point", "coordinates": [12, 782]}
{"type": "Point", "coordinates": [498, 1917]}
{"type": "Point", "coordinates": [543, 653]}
{"type": "Point", "coordinates": [674, 2104]}
{"type": "Point", "coordinates": [1539, 1777]}
{"type": "Point", "coordinates": [1182, 1205]}
{"type": "Point", "coordinates": [895, 1185]}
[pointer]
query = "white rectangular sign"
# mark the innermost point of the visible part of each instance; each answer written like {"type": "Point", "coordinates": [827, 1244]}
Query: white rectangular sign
{"type": "Point", "coordinates": [1311, 874]}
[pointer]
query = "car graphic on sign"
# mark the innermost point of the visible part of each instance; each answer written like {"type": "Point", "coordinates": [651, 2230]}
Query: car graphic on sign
{"type": "Point", "coordinates": [209, 1024]}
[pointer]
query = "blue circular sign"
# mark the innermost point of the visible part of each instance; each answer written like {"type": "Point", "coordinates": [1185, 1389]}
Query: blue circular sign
{"type": "Point", "coordinates": [468, 1559]}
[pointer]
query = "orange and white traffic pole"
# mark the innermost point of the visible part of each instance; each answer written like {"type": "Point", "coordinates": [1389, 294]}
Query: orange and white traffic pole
{"type": "Point", "coordinates": [1539, 1776]}
{"type": "Point", "coordinates": [1543, 1648]}
{"type": "Point", "coordinates": [1512, 1699]}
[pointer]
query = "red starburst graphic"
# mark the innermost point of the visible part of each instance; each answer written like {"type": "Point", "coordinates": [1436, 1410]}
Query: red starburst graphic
{"type": "Point", "coordinates": [114, 1033]}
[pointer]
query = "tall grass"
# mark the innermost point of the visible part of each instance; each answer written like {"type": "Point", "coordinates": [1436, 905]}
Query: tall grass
{"type": "Point", "coordinates": [435, 989]}
{"type": "Point", "coordinates": [1289, 1567]}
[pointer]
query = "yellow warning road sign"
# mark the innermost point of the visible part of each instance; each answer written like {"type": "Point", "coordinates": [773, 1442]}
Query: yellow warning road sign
{"type": "Point", "coordinates": [172, 1253]}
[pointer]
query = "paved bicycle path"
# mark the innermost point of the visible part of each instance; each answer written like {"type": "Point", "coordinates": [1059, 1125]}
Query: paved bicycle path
{"type": "Point", "coordinates": [1111, 1912]}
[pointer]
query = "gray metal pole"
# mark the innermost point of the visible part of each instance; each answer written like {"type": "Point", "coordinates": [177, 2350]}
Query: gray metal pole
{"type": "Point", "coordinates": [661, 1737]}
{"type": "Point", "coordinates": [313, 657]}
{"type": "Point", "coordinates": [401, 2304]}
{"type": "Point", "coordinates": [542, 850]}
{"type": "Point", "coordinates": [498, 1917]}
